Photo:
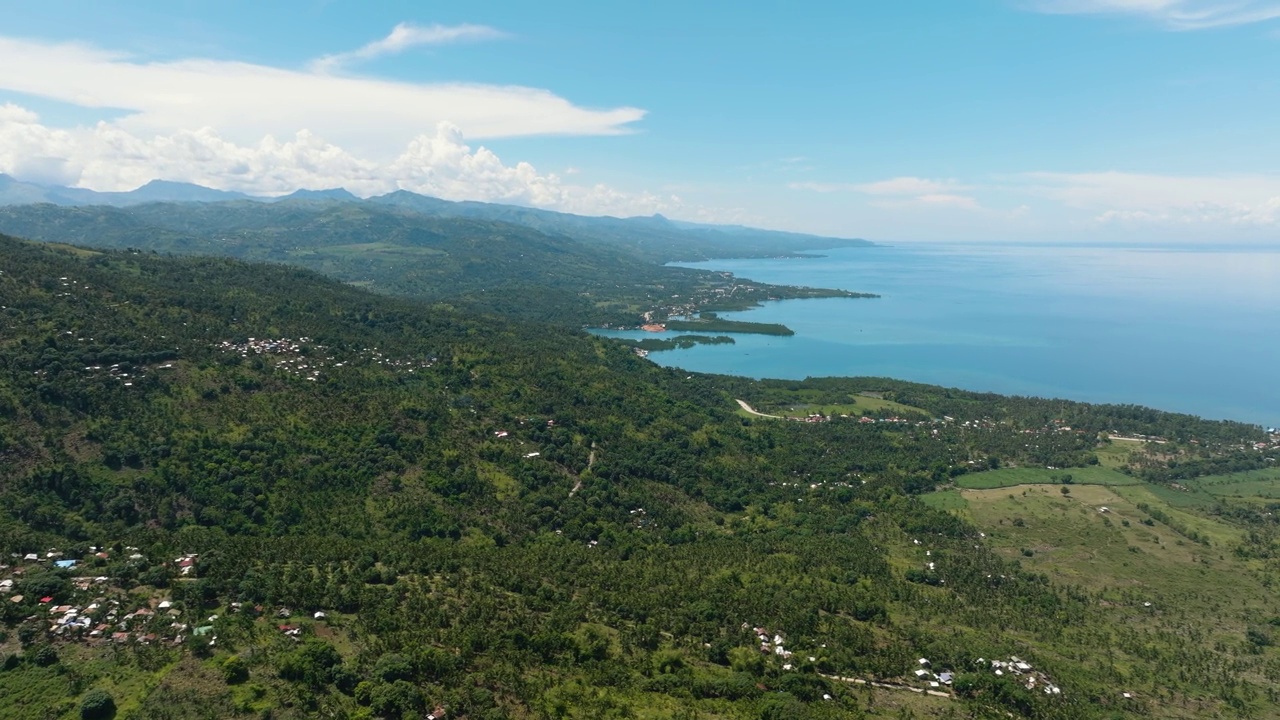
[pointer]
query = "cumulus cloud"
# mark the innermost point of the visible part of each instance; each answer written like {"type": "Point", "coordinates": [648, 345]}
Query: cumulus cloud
{"type": "Point", "coordinates": [246, 101]}
{"type": "Point", "coordinates": [1173, 14]}
{"type": "Point", "coordinates": [405, 36]}
{"type": "Point", "coordinates": [440, 163]}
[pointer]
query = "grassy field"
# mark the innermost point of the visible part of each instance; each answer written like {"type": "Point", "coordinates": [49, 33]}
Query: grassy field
{"type": "Point", "coordinates": [1012, 477]}
{"type": "Point", "coordinates": [1115, 455]}
{"type": "Point", "coordinates": [1156, 561]}
{"type": "Point", "coordinates": [1202, 597]}
{"type": "Point", "coordinates": [802, 402]}
{"type": "Point", "coordinates": [945, 500]}
{"type": "Point", "coordinates": [1256, 484]}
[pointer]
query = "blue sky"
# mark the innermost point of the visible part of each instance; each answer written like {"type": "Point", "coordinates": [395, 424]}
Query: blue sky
{"type": "Point", "coordinates": [1035, 120]}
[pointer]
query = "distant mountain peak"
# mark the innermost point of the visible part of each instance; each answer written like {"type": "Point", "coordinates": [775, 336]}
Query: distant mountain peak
{"type": "Point", "coordinates": [325, 194]}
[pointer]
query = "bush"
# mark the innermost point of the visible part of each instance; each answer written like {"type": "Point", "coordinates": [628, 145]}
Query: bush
{"type": "Point", "coordinates": [746, 660]}
{"type": "Point", "coordinates": [234, 671]}
{"type": "Point", "coordinates": [44, 656]}
{"type": "Point", "coordinates": [97, 705]}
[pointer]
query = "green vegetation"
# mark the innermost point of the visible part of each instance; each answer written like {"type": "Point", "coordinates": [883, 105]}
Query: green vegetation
{"type": "Point", "coordinates": [308, 500]}
{"type": "Point", "coordinates": [734, 326]}
{"type": "Point", "coordinates": [825, 397]}
{"type": "Point", "coordinates": [682, 342]}
{"type": "Point", "coordinates": [1010, 477]}
{"type": "Point", "coordinates": [520, 263]}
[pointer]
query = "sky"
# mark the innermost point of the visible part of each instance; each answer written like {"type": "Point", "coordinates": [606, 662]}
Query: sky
{"type": "Point", "coordinates": [1135, 121]}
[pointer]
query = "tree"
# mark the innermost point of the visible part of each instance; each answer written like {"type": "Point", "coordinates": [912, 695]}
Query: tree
{"type": "Point", "coordinates": [392, 667]}
{"type": "Point", "coordinates": [97, 705]}
{"type": "Point", "coordinates": [395, 699]}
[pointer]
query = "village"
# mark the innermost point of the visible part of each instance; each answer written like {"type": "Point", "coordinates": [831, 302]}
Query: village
{"type": "Point", "coordinates": [306, 359]}
{"type": "Point", "coordinates": [92, 608]}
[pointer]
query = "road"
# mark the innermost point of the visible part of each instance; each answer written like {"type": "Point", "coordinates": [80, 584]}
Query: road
{"type": "Point", "coordinates": [752, 411]}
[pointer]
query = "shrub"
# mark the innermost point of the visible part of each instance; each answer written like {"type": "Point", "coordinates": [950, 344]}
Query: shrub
{"type": "Point", "coordinates": [234, 671]}
{"type": "Point", "coordinates": [44, 656]}
{"type": "Point", "coordinates": [97, 705]}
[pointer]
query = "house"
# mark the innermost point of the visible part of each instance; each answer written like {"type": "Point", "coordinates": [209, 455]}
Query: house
{"type": "Point", "coordinates": [31, 557]}
{"type": "Point", "coordinates": [922, 674]}
{"type": "Point", "coordinates": [65, 564]}
{"type": "Point", "coordinates": [923, 662]}
{"type": "Point", "coordinates": [436, 714]}
{"type": "Point", "coordinates": [945, 678]}
{"type": "Point", "coordinates": [320, 615]}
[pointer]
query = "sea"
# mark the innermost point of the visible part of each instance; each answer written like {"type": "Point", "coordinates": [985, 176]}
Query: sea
{"type": "Point", "coordinates": [1186, 329]}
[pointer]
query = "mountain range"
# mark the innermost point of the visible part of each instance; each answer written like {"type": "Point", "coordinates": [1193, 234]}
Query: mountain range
{"type": "Point", "coordinates": [672, 240]}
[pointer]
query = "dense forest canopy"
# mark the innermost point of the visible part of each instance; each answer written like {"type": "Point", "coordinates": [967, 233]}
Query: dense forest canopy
{"type": "Point", "coordinates": [248, 490]}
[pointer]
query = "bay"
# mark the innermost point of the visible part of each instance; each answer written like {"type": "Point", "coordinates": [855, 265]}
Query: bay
{"type": "Point", "coordinates": [1186, 329]}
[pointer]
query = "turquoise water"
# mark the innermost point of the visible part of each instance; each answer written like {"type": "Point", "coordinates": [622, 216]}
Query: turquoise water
{"type": "Point", "coordinates": [1189, 330]}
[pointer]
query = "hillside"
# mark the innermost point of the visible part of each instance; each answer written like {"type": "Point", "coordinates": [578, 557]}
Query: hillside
{"type": "Point", "coordinates": [285, 496]}
{"type": "Point", "coordinates": [490, 265]}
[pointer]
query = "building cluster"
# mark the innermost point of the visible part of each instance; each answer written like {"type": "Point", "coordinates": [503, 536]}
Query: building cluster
{"type": "Point", "coordinates": [96, 609]}
{"type": "Point", "coordinates": [303, 358]}
{"type": "Point", "coordinates": [1021, 670]}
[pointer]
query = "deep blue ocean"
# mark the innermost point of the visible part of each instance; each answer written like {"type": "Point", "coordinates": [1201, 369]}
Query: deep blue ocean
{"type": "Point", "coordinates": [1184, 329]}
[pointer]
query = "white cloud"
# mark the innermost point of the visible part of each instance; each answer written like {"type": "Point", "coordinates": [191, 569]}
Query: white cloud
{"type": "Point", "coordinates": [1228, 201]}
{"type": "Point", "coordinates": [902, 191]}
{"type": "Point", "coordinates": [405, 36]}
{"type": "Point", "coordinates": [246, 102]}
{"type": "Point", "coordinates": [440, 163]}
{"type": "Point", "coordinates": [1173, 14]}
{"type": "Point", "coordinates": [908, 186]}
{"type": "Point", "coordinates": [948, 200]}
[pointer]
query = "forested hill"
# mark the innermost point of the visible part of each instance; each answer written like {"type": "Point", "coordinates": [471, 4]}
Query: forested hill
{"type": "Point", "coordinates": [520, 263]}
{"type": "Point", "coordinates": [283, 496]}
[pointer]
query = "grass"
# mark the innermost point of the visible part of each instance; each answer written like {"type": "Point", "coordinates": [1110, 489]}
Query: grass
{"type": "Point", "coordinates": [802, 402]}
{"type": "Point", "coordinates": [1012, 477]}
{"type": "Point", "coordinates": [945, 500]}
{"type": "Point", "coordinates": [1202, 598]}
{"type": "Point", "coordinates": [1115, 455]}
{"type": "Point", "coordinates": [1263, 484]}
{"type": "Point", "coordinates": [1073, 541]}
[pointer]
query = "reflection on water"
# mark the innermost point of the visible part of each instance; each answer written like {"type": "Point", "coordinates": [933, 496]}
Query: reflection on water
{"type": "Point", "coordinates": [1188, 329]}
